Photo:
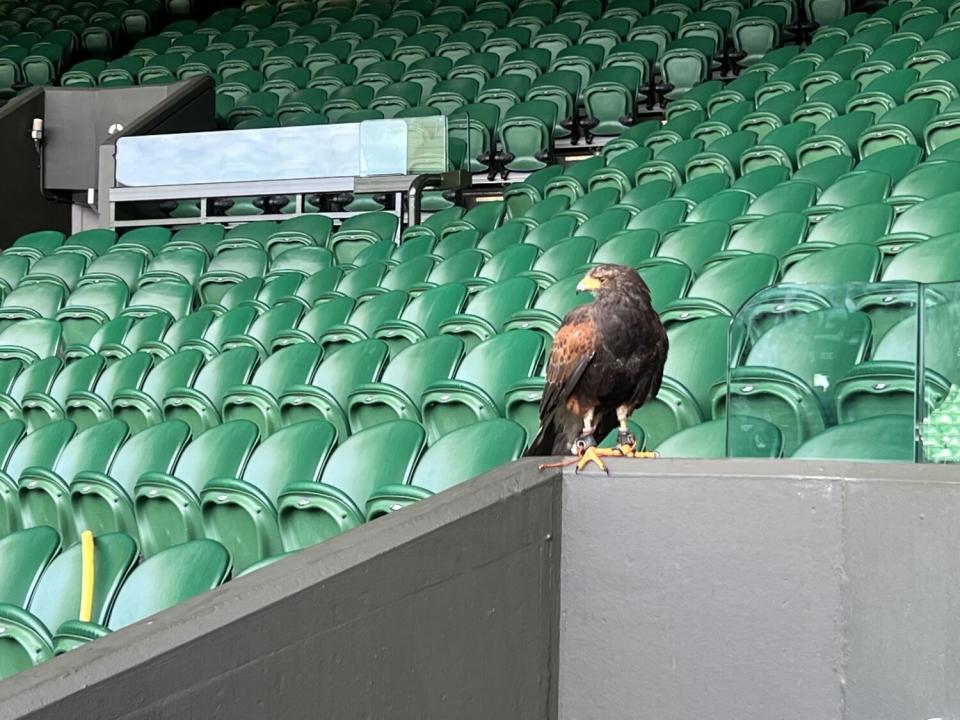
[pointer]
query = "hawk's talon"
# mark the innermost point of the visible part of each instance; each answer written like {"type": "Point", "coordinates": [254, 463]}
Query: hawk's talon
{"type": "Point", "coordinates": [591, 455]}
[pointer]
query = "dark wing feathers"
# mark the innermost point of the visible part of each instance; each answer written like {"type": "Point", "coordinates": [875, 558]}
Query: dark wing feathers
{"type": "Point", "coordinates": [574, 347]}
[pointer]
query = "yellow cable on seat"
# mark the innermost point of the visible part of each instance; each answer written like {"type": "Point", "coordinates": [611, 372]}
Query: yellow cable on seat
{"type": "Point", "coordinates": [86, 578]}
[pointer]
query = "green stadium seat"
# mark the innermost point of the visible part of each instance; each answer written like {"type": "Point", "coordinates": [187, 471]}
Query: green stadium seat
{"type": "Point", "coordinates": [942, 129]}
{"type": "Point", "coordinates": [26, 554]}
{"type": "Point", "coordinates": [725, 206]}
{"type": "Point", "coordinates": [757, 31]}
{"type": "Point", "coordinates": [506, 264]}
{"type": "Point", "coordinates": [575, 178]}
{"type": "Point", "coordinates": [453, 459]}
{"type": "Point", "coordinates": [883, 93]}
{"type": "Point", "coordinates": [792, 383]}
{"type": "Point", "coordinates": [44, 492]}
{"type": "Point", "coordinates": [325, 397]}
{"type": "Point", "coordinates": [124, 266]}
{"type": "Point", "coordinates": [610, 97]}
{"type": "Point", "coordinates": [924, 220]}
{"type": "Point", "coordinates": [89, 307]}
{"type": "Point", "coordinates": [723, 122]}
{"type": "Point", "coordinates": [148, 241]}
{"type": "Point", "coordinates": [861, 188]}
{"type": "Point", "coordinates": [561, 260]}
{"type": "Point", "coordinates": [140, 408]}
{"type": "Point", "coordinates": [360, 231]}
{"type": "Point", "coordinates": [334, 77]}
{"type": "Point", "coordinates": [685, 63]}
{"type": "Point", "coordinates": [241, 512]}
{"type": "Point", "coordinates": [33, 300]}
{"type": "Point", "coordinates": [102, 501]}
{"type": "Point", "coordinates": [86, 408]}
{"type": "Point", "coordinates": [658, 28]}
{"type": "Point", "coordinates": [749, 437]}
{"type": "Point", "coordinates": [677, 128]}
{"type": "Point", "coordinates": [327, 315]}
{"type": "Point", "coordinates": [213, 334]}
{"type": "Point", "coordinates": [694, 244]}
{"type": "Point", "coordinates": [310, 512]}
{"type": "Point", "coordinates": [155, 585]}
{"type": "Point", "coordinates": [199, 405]}
{"type": "Point", "coordinates": [939, 49]}
{"type": "Point", "coordinates": [504, 91]}
{"type": "Point", "coordinates": [630, 139]}
{"type": "Point", "coordinates": [902, 125]}
{"type": "Point", "coordinates": [644, 197]}
{"type": "Point", "coordinates": [506, 41]}
{"type": "Point", "coordinates": [40, 408]}
{"type": "Point", "coordinates": [887, 59]}
{"type": "Point", "coordinates": [670, 163]}
{"type": "Point", "coordinates": [886, 438]}
{"type": "Point", "coordinates": [843, 264]}
{"type": "Point", "coordinates": [772, 112]}
{"type": "Point", "coordinates": [394, 395]}
{"type": "Point", "coordinates": [63, 269]}
{"type": "Point", "coordinates": [477, 390]}
{"type": "Point", "coordinates": [527, 136]}
{"type": "Point", "coordinates": [167, 504]}
{"type": "Point", "coordinates": [790, 196]}
{"type": "Point", "coordinates": [118, 343]}
{"type": "Point", "coordinates": [89, 243]}
{"type": "Point", "coordinates": [723, 155]}
{"type": "Point", "coordinates": [421, 318]}
{"type": "Point", "coordinates": [723, 288]}
{"type": "Point", "coordinates": [697, 360]}
{"type": "Point", "coordinates": [29, 628]}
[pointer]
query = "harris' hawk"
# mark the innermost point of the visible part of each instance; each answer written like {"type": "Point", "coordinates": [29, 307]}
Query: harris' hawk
{"type": "Point", "coordinates": [607, 360]}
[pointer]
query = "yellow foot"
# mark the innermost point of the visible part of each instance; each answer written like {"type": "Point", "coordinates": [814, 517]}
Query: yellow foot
{"type": "Point", "coordinates": [592, 455]}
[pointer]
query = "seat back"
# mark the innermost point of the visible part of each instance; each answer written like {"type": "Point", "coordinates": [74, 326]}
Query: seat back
{"type": "Point", "coordinates": [93, 449]}
{"type": "Point", "coordinates": [221, 451]}
{"type": "Point", "coordinates": [293, 365]}
{"type": "Point", "coordinates": [79, 375]}
{"type": "Point", "coordinates": [354, 364]}
{"type": "Point", "coordinates": [498, 362]}
{"type": "Point", "coordinates": [296, 453]}
{"type": "Point", "coordinates": [467, 452]}
{"type": "Point", "coordinates": [380, 455]}
{"type": "Point", "coordinates": [41, 448]}
{"type": "Point", "coordinates": [23, 557]}
{"type": "Point", "coordinates": [154, 449]}
{"type": "Point", "coordinates": [225, 371]}
{"type": "Point", "coordinates": [160, 581]}
{"type": "Point", "coordinates": [57, 598]}
{"type": "Point", "coordinates": [178, 370]}
{"type": "Point", "coordinates": [124, 374]}
{"type": "Point", "coordinates": [422, 363]}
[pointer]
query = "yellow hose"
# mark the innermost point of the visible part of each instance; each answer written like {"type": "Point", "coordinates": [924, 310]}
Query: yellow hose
{"type": "Point", "coordinates": [86, 578]}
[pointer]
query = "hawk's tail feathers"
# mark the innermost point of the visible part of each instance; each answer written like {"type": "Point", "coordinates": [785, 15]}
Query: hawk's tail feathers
{"type": "Point", "coordinates": [542, 444]}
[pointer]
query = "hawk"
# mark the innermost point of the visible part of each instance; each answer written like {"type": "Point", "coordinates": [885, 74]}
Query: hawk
{"type": "Point", "coordinates": [607, 360]}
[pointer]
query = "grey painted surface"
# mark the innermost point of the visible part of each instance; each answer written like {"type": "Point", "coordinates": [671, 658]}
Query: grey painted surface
{"type": "Point", "coordinates": [447, 610]}
{"type": "Point", "coordinates": [750, 589]}
{"type": "Point", "coordinates": [903, 564]}
{"type": "Point", "coordinates": [22, 206]}
{"type": "Point", "coordinates": [77, 121]}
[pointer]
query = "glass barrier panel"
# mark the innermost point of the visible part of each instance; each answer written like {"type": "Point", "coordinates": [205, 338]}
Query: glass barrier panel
{"type": "Point", "coordinates": [290, 153]}
{"type": "Point", "coordinates": [373, 147]}
{"type": "Point", "coordinates": [823, 372]}
{"type": "Point", "coordinates": [940, 346]}
{"type": "Point", "coordinates": [466, 136]}
{"type": "Point", "coordinates": [427, 145]}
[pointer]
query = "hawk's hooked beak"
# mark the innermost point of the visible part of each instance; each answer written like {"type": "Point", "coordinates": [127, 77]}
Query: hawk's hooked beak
{"type": "Point", "coordinates": [588, 284]}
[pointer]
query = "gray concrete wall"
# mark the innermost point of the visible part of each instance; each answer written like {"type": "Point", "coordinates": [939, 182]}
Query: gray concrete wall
{"type": "Point", "coordinates": [448, 610]}
{"type": "Point", "coordinates": [747, 590]}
